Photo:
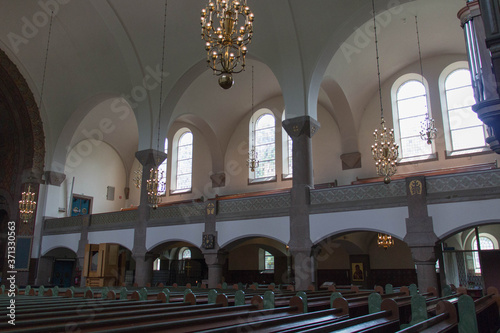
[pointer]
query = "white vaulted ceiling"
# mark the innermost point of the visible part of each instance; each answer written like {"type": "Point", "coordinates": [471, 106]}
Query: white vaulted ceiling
{"type": "Point", "coordinates": [101, 50]}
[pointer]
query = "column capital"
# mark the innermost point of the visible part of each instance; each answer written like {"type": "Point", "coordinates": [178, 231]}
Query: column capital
{"type": "Point", "coordinates": [54, 178]}
{"type": "Point", "coordinates": [424, 255]}
{"type": "Point", "coordinates": [303, 125]}
{"type": "Point", "coordinates": [470, 10]}
{"type": "Point", "coordinates": [150, 157]}
{"type": "Point", "coordinates": [218, 179]}
{"type": "Point", "coordinates": [215, 257]}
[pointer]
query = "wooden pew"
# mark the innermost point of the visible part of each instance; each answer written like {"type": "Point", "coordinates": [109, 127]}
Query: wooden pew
{"type": "Point", "coordinates": [444, 321]}
{"type": "Point", "coordinates": [386, 320]}
{"type": "Point", "coordinates": [56, 320]}
{"type": "Point", "coordinates": [122, 321]}
{"type": "Point", "coordinates": [480, 315]}
{"type": "Point", "coordinates": [299, 320]}
{"type": "Point", "coordinates": [74, 305]}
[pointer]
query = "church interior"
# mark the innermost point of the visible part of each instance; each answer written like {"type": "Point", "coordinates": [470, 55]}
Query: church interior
{"type": "Point", "coordinates": [344, 143]}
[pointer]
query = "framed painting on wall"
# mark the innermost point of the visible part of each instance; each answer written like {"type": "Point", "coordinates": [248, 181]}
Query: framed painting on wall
{"type": "Point", "coordinates": [357, 271]}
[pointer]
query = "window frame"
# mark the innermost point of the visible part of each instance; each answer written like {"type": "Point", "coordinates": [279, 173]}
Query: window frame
{"type": "Point", "coordinates": [449, 152]}
{"type": "Point", "coordinates": [395, 114]}
{"type": "Point", "coordinates": [287, 165]}
{"type": "Point", "coordinates": [175, 162]}
{"type": "Point", "coordinates": [475, 253]}
{"type": "Point", "coordinates": [253, 122]}
{"type": "Point", "coordinates": [268, 254]}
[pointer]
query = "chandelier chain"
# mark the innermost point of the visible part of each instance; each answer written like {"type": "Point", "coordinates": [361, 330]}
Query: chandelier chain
{"type": "Point", "coordinates": [419, 52]}
{"type": "Point", "coordinates": [161, 75]}
{"type": "Point", "coordinates": [46, 58]}
{"type": "Point", "coordinates": [253, 161]}
{"type": "Point", "coordinates": [378, 62]}
{"type": "Point", "coordinates": [155, 178]}
{"type": "Point", "coordinates": [428, 129]}
{"type": "Point", "coordinates": [384, 149]}
{"type": "Point", "coordinates": [253, 120]}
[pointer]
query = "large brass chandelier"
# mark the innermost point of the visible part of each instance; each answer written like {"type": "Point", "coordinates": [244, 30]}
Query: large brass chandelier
{"type": "Point", "coordinates": [226, 44]}
{"type": "Point", "coordinates": [27, 205]}
{"type": "Point", "coordinates": [385, 241]}
{"type": "Point", "coordinates": [385, 149]}
{"type": "Point", "coordinates": [385, 152]}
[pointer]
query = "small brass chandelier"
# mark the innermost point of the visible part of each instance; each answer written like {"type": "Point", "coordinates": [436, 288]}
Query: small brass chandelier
{"type": "Point", "coordinates": [385, 149]}
{"type": "Point", "coordinates": [226, 44]}
{"type": "Point", "coordinates": [152, 186]}
{"type": "Point", "coordinates": [428, 130]}
{"type": "Point", "coordinates": [385, 241]}
{"type": "Point", "coordinates": [137, 178]}
{"type": "Point", "coordinates": [27, 205]}
{"type": "Point", "coordinates": [253, 161]}
{"type": "Point", "coordinates": [156, 176]}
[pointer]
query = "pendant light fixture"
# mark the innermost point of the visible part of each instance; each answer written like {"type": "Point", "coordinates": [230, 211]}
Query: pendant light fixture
{"type": "Point", "coordinates": [27, 204]}
{"type": "Point", "coordinates": [385, 149]}
{"type": "Point", "coordinates": [253, 161]}
{"type": "Point", "coordinates": [156, 176]}
{"type": "Point", "coordinates": [385, 241]}
{"type": "Point", "coordinates": [226, 44]}
{"type": "Point", "coordinates": [428, 130]}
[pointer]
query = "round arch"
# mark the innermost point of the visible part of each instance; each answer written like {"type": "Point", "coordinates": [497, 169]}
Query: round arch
{"type": "Point", "coordinates": [337, 255]}
{"type": "Point", "coordinates": [246, 260]}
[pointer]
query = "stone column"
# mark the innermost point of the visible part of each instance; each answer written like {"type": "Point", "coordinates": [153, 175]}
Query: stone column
{"type": "Point", "coordinates": [44, 265]}
{"type": "Point", "coordinates": [420, 235]}
{"type": "Point", "coordinates": [80, 253]}
{"type": "Point", "coordinates": [148, 158]}
{"type": "Point", "coordinates": [214, 257]}
{"type": "Point", "coordinates": [214, 260]}
{"type": "Point", "coordinates": [301, 130]}
{"type": "Point", "coordinates": [143, 268]}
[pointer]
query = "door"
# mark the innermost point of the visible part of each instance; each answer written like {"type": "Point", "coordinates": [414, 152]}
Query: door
{"type": "Point", "coordinates": [80, 206]}
{"type": "Point", "coordinates": [63, 271]}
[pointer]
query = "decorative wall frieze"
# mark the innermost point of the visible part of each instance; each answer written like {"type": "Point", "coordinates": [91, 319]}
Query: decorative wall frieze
{"type": "Point", "coordinates": [187, 210]}
{"type": "Point", "coordinates": [270, 202]}
{"type": "Point", "coordinates": [463, 182]}
{"type": "Point", "coordinates": [345, 198]}
{"type": "Point", "coordinates": [114, 218]}
{"type": "Point", "coordinates": [358, 193]}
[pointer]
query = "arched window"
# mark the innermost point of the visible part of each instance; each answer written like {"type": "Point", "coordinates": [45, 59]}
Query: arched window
{"type": "Point", "coordinates": [182, 169]}
{"type": "Point", "coordinates": [162, 173]}
{"type": "Point", "coordinates": [185, 253]}
{"type": "Point", "coordinates": [464, 131]}
{"type": "Point", "coordinates": [156, 264]}
{"type": "Point", "coordinates": [269, 261]}
{"type": "Point", "coordinates": [263, 128]}
{"type": "Point", "coordinates": [287, 148]}
{"type": "Point", "coordinates": [486, 243]}
{"type": "Point", "coordinates": [410, 103]}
